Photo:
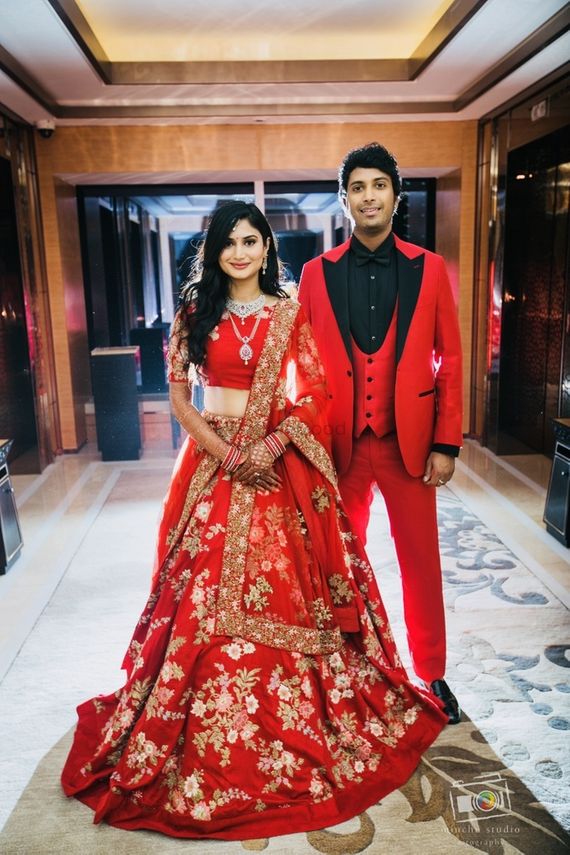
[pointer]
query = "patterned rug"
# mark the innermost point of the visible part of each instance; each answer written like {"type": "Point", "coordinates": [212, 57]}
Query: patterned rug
{"type": "Point", "coordinates": [499, 782]}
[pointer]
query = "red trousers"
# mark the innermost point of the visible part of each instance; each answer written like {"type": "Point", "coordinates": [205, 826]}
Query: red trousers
{"type": "Point", "coordinates": [413, 521]}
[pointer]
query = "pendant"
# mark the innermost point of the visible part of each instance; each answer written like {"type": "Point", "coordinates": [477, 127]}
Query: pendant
{"type": "Point", "coordinates": [245, 352]}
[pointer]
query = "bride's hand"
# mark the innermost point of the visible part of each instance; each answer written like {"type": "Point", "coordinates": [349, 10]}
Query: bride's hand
{"type": "Point", "coordinates": [257, 470]}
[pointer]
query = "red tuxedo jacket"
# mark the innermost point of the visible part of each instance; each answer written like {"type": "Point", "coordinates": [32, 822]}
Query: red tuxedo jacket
{"type": "Point", "coordinates": [428, 399]}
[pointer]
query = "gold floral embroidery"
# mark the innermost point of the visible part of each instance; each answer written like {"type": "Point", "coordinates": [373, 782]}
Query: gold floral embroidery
{"type": "Point", "coordinates": [138, 659]}
{"type": "Point", "coordinates": [171, 671]}
{"type": "Point", "coordinates": [340, 589]}
{"type": "Point", "coordinates": [299, 433]}
{"type": "Point", "coordinates": [352, 752]}
{"type": "Point", "coordinates": [204, 600]}
{"type": "Point", "coordinates": [295, 702]}
{"type": "Point", "coordinates": [207, 467]}
{"type": "Point", "coordinates": [134, 649]}
{"type": "Point", "coordinates": [144, 755]}
{"type": "Point", "coordinates": [174, 645]}
{"type": "Point", "coordinates": [320, 499]}
{"type": "Point", "coordinates": [319, 787]}
{"type": "Point", "coordinates": [279, 764]}
{"type": "Point", "coordinates": [140, 690]}
{"type": "Point", "coordinates": [255, 597]}
{"type": "Point", "coordinates": [374, 649]}
{"type": "Point", "coordinates": [398, 717]}
{"type": "Point", "coordinates": [177, 359]}
{"type": "Point", "coordinates": [321, 612]}
{"type": "Point", "coordinates": [271, 530]}
{"type": "Point", "coordinates": [238, 648]}
{"type": "Point", "coordinates": [186, 794]}
{"type": "Point", "coordinates": [280, 398]}
{"type": "Point", "coordinates": [157, 705]}
{"type": "Point", "coordinates": [202, 476]}
{"type": "Point", "coordinates": [196, 524]}
{"type": "Point", "coordinates": [225, 705]}
{"type": "Point", "coordinates": [179, 583]}
{"type": "Point", "coordinates": [225, 426]}
{"type": "Point", "coordinates": [301, 523]}
{"type": "Point", "coordinates": [116, 730]}
{"type": "Point", "coordinates": [267, 539]}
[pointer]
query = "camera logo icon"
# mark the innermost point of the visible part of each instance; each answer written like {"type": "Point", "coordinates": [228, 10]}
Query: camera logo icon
{"type": "Point", "coordinates": [486, 800]}
{"type": "Point", "coordinates": [485, 796]}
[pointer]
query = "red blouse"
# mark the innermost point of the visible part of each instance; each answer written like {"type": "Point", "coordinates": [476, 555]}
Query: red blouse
{"type": "Point", "coordinates": [223, 365]}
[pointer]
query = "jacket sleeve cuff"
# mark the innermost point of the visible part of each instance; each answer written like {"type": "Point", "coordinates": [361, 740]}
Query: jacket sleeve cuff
{"type": "Point", "coordinates": [450, 450]}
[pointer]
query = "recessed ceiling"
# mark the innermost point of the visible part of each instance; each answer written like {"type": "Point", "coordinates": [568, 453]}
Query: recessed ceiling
{"type": "Point", "coordinates": [226, 30]}
{"type": "Point", "coordinates": [173, 61]}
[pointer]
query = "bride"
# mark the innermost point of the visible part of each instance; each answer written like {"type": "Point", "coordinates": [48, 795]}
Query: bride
{"type": "Point", "coordinates": [264, 692]}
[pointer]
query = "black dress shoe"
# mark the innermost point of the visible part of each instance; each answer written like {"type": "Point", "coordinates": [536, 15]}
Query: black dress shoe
{"type": "Point", "coordinates": [450, 705]}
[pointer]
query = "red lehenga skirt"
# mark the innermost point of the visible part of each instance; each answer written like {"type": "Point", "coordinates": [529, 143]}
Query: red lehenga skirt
{"type": "Point", "coordinates": [264, 695]}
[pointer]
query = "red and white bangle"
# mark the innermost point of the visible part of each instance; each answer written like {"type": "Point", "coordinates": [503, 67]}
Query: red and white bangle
{"type": "Point", "coordinates": [274, 445]}
{"type": "Point", "coordinates": [231, 461]}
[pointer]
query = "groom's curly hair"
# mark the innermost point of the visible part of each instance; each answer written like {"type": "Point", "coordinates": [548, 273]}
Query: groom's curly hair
{"type": "Point", "coordinates": [370, 156]}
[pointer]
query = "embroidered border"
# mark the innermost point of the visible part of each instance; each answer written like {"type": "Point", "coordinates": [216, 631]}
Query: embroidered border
{"type": "Point", "coordinates": [227, 428]}
{"type": "Point", "coordinates": [298, 638]}
{"type": "Point", "coordinates": [300, 434]}
{"type": "Point", "coordinates": [205, 470]}
{"type": "Point", "coordinates": [267, 373]}
{"type": "Point", "coordinates": [229, 615]}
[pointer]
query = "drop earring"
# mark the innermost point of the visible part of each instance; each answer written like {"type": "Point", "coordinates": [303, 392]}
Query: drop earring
{"type": "Point", "coordinates": [264, 266]}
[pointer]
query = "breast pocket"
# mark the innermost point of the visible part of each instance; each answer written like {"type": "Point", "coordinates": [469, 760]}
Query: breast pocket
{"type": "Point", "coordinates": [427, 392]}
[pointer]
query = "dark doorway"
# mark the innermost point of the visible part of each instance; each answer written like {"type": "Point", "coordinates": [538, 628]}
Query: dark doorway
{"type": "Point", "coordinates": [17, 413]}
{"type": "Point", "coordinates": [535, 352]}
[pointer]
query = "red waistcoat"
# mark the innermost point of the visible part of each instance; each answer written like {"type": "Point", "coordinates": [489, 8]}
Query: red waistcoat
{"type": "Point", "coordinates": [375, 385]}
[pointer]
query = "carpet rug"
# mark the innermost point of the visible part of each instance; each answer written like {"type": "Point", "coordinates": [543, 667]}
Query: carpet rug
{"type": "Point", "coordinates": [446, 807]}
{"type": "Point", "coordinates": [499, 782]}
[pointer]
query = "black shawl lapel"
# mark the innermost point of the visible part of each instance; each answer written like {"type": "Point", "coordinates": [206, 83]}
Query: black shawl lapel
{"type": "Point", "coordinates": [410, 273]}
{"type": "Point", "coordinates": [336, 279]}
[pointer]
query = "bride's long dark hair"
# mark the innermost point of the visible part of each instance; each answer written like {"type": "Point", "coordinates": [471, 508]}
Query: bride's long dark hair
{"type": "Point", "coordinates": [207, 288]}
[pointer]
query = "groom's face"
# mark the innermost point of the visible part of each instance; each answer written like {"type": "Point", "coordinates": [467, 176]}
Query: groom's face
{"type": "Point", "coordinates": [370, 201]}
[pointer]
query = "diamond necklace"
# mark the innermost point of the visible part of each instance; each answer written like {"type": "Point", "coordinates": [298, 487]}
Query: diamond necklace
{"type": "Point", "coordinates": [245, 351]}
{"type": "Point", "coordinates": [244, 310]}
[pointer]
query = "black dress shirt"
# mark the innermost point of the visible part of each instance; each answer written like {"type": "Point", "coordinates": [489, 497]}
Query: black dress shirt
{"type": "Point", "coordinates": [372, 295]}
{"type": "Point", "coordinates": [372, 292]}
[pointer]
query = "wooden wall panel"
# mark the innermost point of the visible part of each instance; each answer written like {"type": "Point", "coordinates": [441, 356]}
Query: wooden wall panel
{"type": "Point", "coordinates": [448, 244]}
{"type": "Point", "coordinates": [75, 314]}
{"type": "Point", "coordinates": [447, 217]}
{"type": "Point", "coordinates": [58, 332]}
{"type": "Point", "coordinates": [148, 149]}
{"type": "Point", "coordinates": [482, 296]}
{"type": "Point", "coordinates": [467, 257]}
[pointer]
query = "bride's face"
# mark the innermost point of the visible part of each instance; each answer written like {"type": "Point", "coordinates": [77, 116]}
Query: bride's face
{"type": "Point", "coordinates": [243, 254]}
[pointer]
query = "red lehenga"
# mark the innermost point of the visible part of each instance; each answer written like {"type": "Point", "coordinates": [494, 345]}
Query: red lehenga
{"type": "Point", "coordinates": [264, 694]}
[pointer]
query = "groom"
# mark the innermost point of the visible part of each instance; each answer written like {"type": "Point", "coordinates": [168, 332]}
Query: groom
{"type": "Point", "coordinates": [386, 325]}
